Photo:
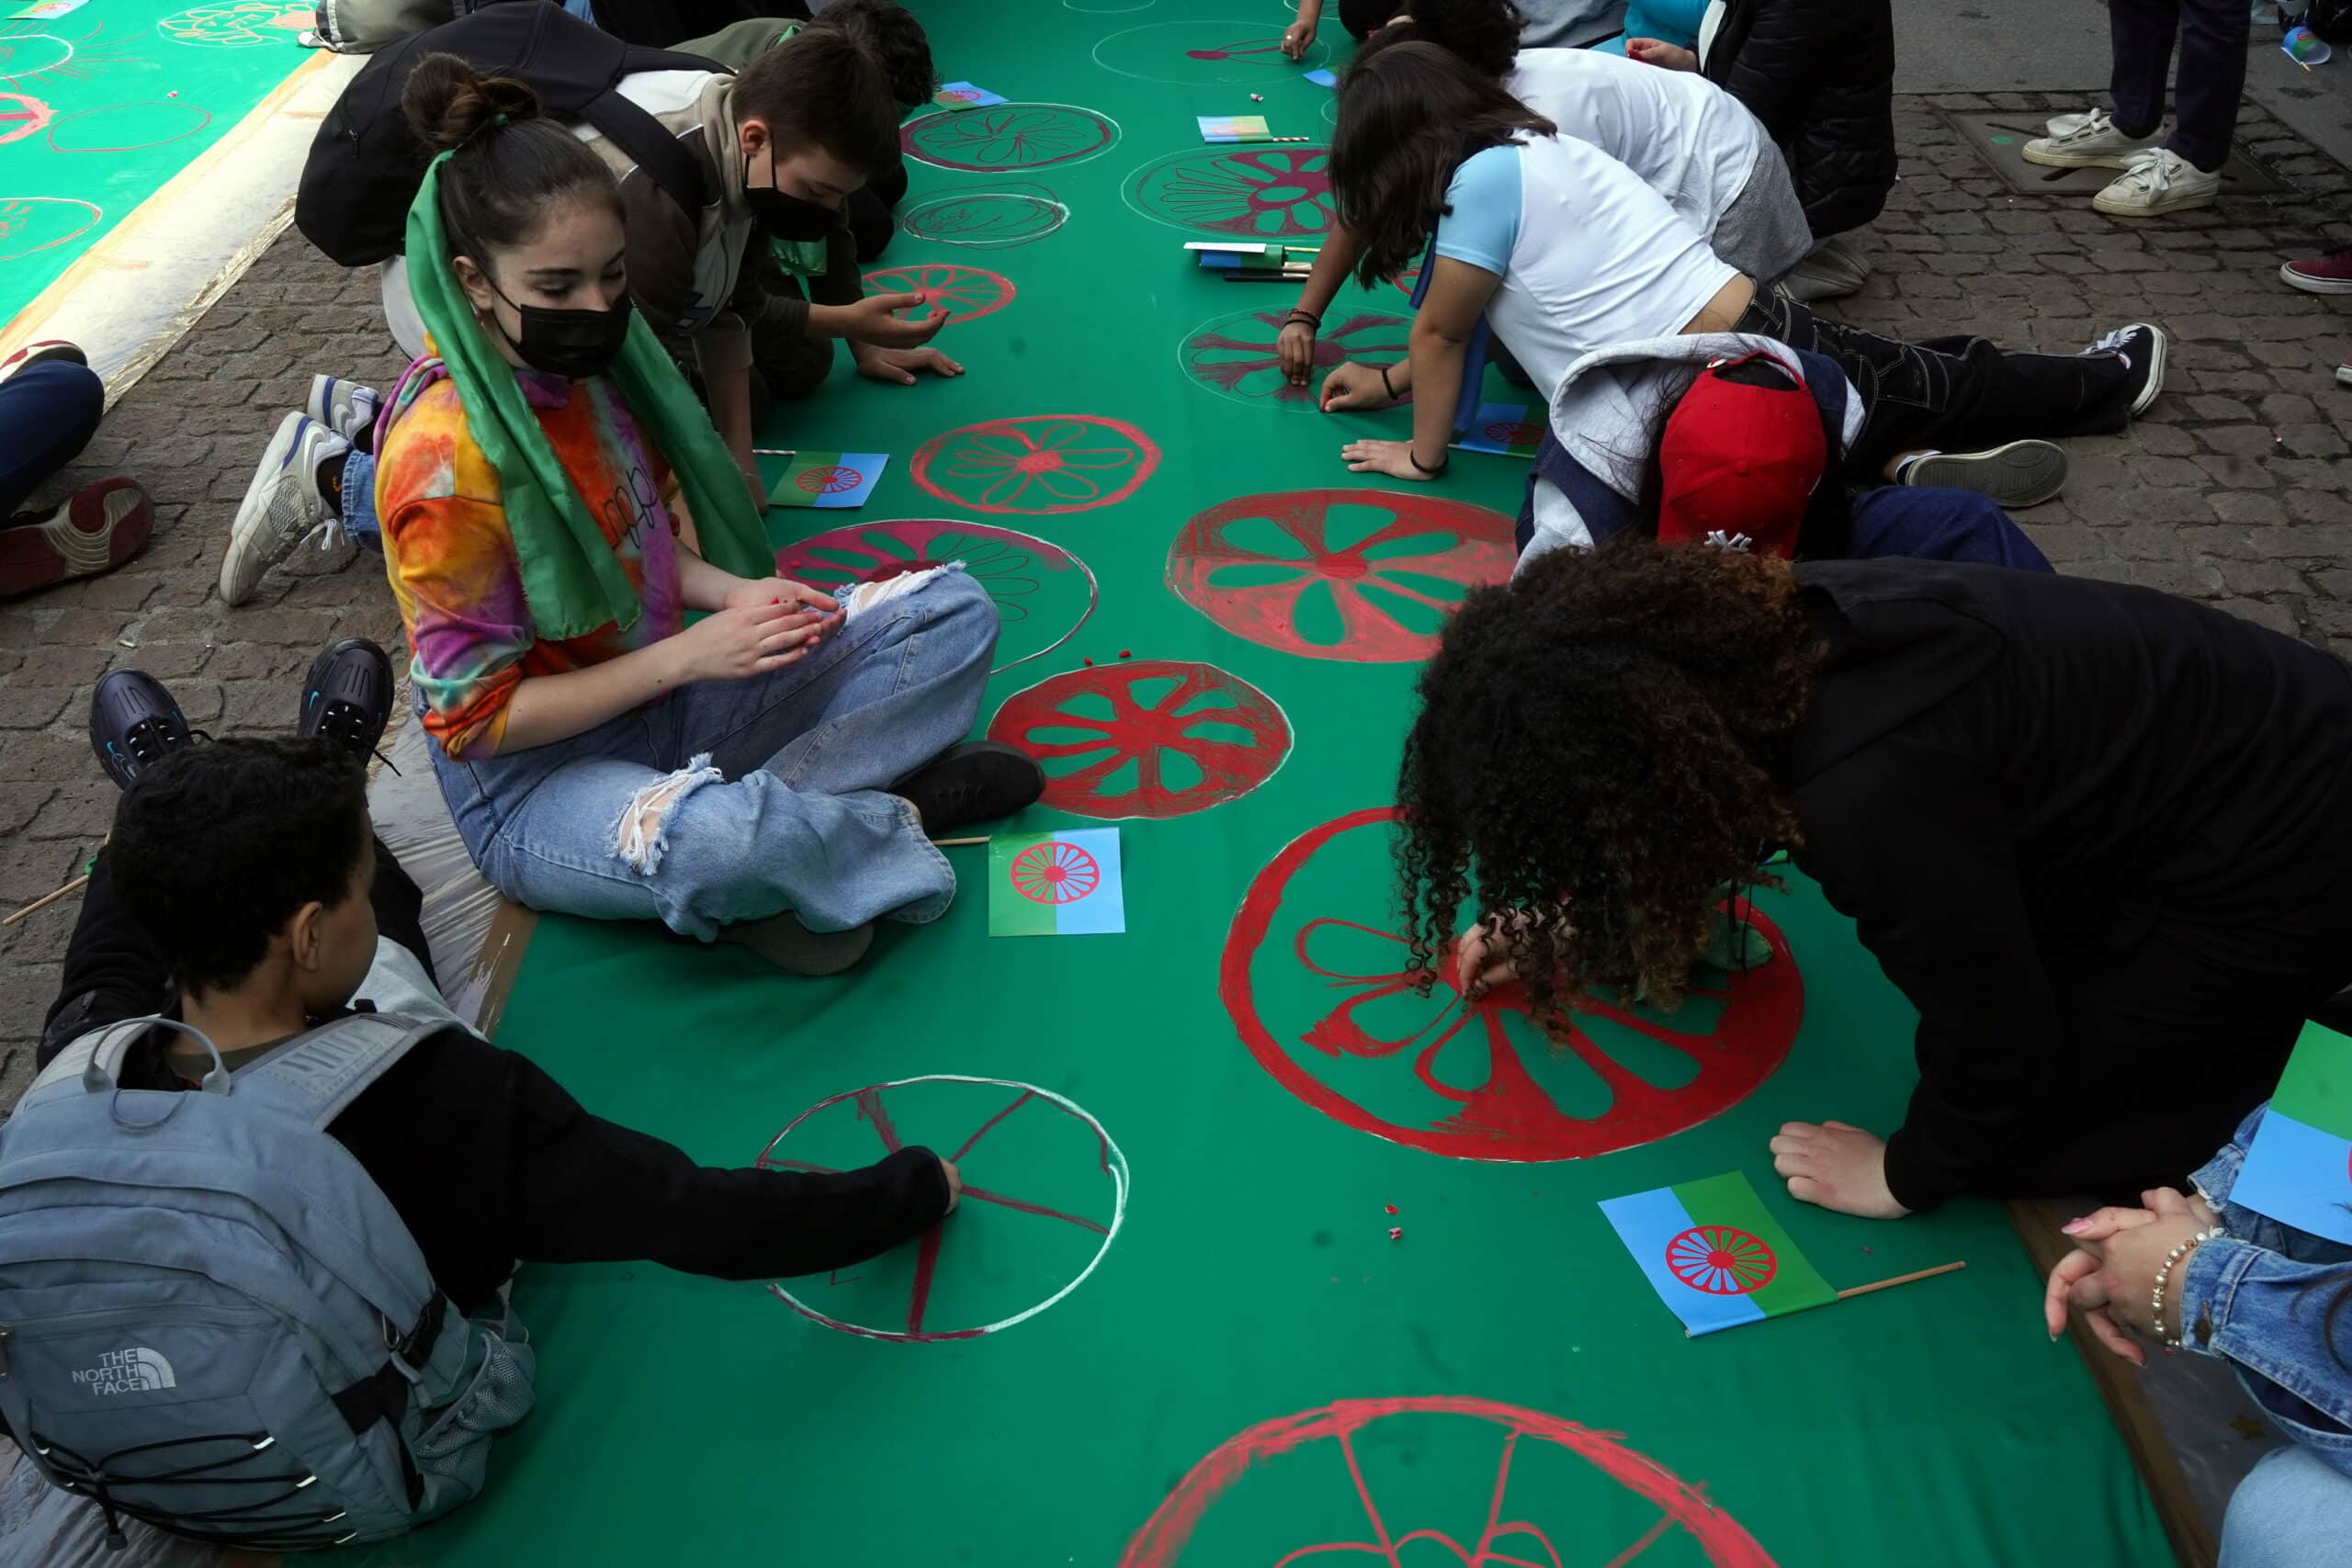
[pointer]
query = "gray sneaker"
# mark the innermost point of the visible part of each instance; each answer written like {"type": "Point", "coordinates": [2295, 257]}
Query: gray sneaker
{"type": "Point", "coordinates": [2023, 473]}
{"type": "Point", "coordinates": [2092, 142]}
{"type": "Point", "coordinates": [282, 506]}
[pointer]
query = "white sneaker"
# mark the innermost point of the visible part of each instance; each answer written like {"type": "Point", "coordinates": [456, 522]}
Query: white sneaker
{"type": "Point", "coordinates": [281, 506]}
{"type": "Point", "coordinates": [2159, 181]}
{"type": "Point", "coordinates": [2141, 346]}
{"type": "Point", "coordinates": [344, 407]}
{"type": "Point", "coordinates": [2091, 142]}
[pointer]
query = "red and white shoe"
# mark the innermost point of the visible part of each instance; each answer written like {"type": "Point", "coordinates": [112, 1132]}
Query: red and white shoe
{"type": "Point", "coordinates": [41, 353]}
{"type": "Point", "coordinates": [99, 528]}
{"type": "Point", "coordinates": [2343, 373]}
{"type": "Point", "coordinates": [2330, 273]}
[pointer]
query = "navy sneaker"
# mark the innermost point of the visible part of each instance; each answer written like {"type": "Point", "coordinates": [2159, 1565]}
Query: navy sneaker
{"type": "Point", "coordinates": [347, 697]}
{"type": "Point", "coordinates": [133, 721]}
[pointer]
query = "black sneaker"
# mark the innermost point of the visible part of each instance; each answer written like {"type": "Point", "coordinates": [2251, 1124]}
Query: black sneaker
{"type": "Point", "coordinates": [133, 721]}
{"type": "Point", "coordinates": [2141, 346]}
{"type": "Point", "coordinates": [347, 697]}
{"type": "Point", "coordinates": [978, 780]}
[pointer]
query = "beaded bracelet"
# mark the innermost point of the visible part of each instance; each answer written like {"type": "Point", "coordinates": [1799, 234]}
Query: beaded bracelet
{"type": "Point", "coordinates": [2163, 1275]}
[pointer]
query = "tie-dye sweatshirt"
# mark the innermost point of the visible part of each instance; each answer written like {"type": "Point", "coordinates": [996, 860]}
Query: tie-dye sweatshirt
{"type": "Point", "coordinates": [452, 562]}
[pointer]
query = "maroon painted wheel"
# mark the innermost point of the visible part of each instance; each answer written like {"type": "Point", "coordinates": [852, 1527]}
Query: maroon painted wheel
{"type": "Point", "coordinates": [1239, 356]}
{"type": "Point", "coordinates": [1179, 737]}
{"type": "Point", "coordinates": [965, 293]}
{"type": "Point", "coordinates": [1253, 193]}
{"type": "Point", "coordinates": [1007, 136]}
{"type": "Point", "coordinates": [1037, 465]}
{"type": "Point", "coordinates": [1353, 574]}
{"type": "Point", "coordinates": [1561, 1492]}
{"type": "Point", "coordinates": [1722, 1260]}
{"type": "Point", "coordinates": [1475, 1079]}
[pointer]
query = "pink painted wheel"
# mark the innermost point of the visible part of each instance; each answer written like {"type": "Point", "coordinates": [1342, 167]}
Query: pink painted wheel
{"type": "Point", "coordinates": [21, 117]}
{"type": "Point", "coordinates": [1054, 873]}
{"type": "Point", "coordinates": [967, 293]}
{"type": "Point", "coordinates": [1179, 737]}
{"type": "Point", "coordinates": [1038, 465]}
{"type": "Point", "coordinates": [1330, 1007]}
{"type": "Point", "coordinates": [1239, 355]}
{"type": "Point", "coordinates": [1351, 574]}
{"type": "Point", "coordinates": [1561, 1493]}
{"type": "Point", "coordinates": [1253, 193]}
{"type": "Point", "coordinates": [1722, 1260]}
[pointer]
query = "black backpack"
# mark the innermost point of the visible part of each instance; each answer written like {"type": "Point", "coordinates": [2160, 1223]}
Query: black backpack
{"type": "Point", "coordinates": [366, 165]}
{"type": "Point", "coordinates": [2332, 20]}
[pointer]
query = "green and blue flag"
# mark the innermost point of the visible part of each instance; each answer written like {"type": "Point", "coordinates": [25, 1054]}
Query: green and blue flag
{"type": "Point", "coordinates": [1714, 1255]}
{"type": "Point", "coordinates": [1065, 884]}
{"type": "Point", "coordinates": [2300, 1169]}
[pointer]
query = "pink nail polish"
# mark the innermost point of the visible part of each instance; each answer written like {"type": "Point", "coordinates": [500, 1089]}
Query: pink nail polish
{"type": "Point", "coordinates": [2075, 1227]}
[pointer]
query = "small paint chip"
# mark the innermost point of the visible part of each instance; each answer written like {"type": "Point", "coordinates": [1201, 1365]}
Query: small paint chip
{"type": "Point", "coordinates": [1396, 1232]}
{"type": "Point", "coordinates": [1390, 1207]}
{"type": "Point", "coordinates": [1257, 97]}
{"type": "Point", "coordinates": [1125, 653]}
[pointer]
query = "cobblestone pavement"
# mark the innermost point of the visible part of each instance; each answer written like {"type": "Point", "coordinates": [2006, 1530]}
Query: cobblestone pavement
{"type": "Point", "coordinates": [2232, 489]}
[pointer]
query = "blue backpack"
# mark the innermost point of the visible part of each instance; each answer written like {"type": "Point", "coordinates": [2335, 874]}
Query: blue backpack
{"type": "Point", "coordinates": [211, 1318]}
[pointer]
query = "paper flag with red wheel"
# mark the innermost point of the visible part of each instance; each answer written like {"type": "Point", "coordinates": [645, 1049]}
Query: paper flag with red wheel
{"type": "Point", "coordinates": [2300, 1169]}
{"type": "Point", "coordinates": [1064, 884]}
{"type": "Point", "coordinates": [1504, 429]}
{"type": "Point", "coordinates": [1714, 1254]}
{"type": "Point", "coordinates": [829, 479]}
{"type": "Point", "coordinates": [965, 95]}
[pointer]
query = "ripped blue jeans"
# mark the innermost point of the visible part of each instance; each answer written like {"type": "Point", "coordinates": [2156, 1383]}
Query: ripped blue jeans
{"type": "Point", "coordinates": [735, 800]}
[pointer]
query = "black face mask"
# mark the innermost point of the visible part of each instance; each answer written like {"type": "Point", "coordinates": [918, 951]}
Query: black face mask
{"type": "Point", "coordinates": [572, 344]}
{"type": "Point", "coordinates": [786, 217]}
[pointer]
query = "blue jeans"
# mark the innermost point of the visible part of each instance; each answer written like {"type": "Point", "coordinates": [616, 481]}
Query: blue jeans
{"type": "Point", "coordinates": [2293, 1511]}
{"type": "Point", "coordinates": [48, 413]}
{"type": "Point", "coordinates": [358, 505]}
{"type": "Point", "coordinates": [775, 797]}
{"type": "Point", "coordinates": [2212, 72]}
{"type": "Point", "coordinates": [1927, 523]}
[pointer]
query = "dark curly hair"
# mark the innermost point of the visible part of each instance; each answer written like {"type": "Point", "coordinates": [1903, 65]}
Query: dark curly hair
{"type": "Point", "coordinates": [1595, 740]}
{"type": "Point", "coordinates": [1483, 33]}
{"type": "Point", "coordinates": [1409, 114]}
{"type": "Point", "coordinates": [897, 38]}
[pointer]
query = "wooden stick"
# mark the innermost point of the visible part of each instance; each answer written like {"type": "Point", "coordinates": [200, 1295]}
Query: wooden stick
{"type": "Point", "coordinates": [1902, 1280]}
{"type": "Point", "coordinates": [46, 899]}
{"type": "Point", "coordinates": [943, 843]}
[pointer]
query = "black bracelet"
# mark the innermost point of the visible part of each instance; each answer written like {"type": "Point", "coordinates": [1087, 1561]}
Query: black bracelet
{"type": "Point", "coordinates": [1385, 385]}
{"type": "Point", "coordinates": [1415, 458]}
{"type": "Point", "coordinates": [1309, 317]}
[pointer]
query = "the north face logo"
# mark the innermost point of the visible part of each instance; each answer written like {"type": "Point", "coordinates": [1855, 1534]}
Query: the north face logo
{"type": "Point", "coordinates": [136, 1369]}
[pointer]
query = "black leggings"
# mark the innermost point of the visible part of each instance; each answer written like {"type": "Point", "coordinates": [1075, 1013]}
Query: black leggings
{"type": "Point", "coordinates": [1950, 393]}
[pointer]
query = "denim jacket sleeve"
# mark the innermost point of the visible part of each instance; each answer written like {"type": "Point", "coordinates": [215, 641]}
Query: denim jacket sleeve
{"type": "Point", "coordinates": [2259, 1298]}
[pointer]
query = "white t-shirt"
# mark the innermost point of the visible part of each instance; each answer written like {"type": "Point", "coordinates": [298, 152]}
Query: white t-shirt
{"type": "Point", "coordinates": [1587, 253]}
{"type": "Point", "coordinates": [1690, 141]}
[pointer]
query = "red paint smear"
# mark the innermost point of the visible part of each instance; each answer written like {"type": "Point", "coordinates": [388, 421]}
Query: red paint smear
{"type": "Point", "coordinates": [919, 1294]}
{"type": "Point", "coordinates": [1457, 543]}
{"type": "Point", "coordinates": [1508, 1117]}
{"type": "Point", "coordinates": [1037, 465]}
{"type": "Point", "coordinates": [981, 1194]}
{"type": "Point", "coordinates": [1142, 731]}
{"type": "Point", "coordinates": [1217, 355]}
{"type": "Point", "coordinates": [1162, 1542]}
{"type": "Point", "coordinates": [988, 1126]}
{"type": "Point", "coordinates": [966, 292]}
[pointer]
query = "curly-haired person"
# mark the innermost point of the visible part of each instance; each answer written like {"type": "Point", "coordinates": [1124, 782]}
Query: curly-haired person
{"type": "Point", "coordinates": [2100, 837]}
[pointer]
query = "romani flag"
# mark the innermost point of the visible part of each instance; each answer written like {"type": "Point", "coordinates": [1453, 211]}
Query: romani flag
{"type": "Point", "coordinates": [2300, 1169]}
{"type": "Point", "coordinates": [1714, 1255]}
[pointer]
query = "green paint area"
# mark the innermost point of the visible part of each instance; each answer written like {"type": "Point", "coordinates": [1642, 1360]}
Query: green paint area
{"type": "Point", "coordinates": [1500, 1375]}
{"type": "Point", "coordinates": [102, 105]}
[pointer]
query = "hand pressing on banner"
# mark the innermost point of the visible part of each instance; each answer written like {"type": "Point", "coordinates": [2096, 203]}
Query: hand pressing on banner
{"type": "Point", "coordinates": [1838, 1166]}
{"type": "Point", "coordinates": [1658, 52]}
{"type": "Point", "coordinates": [2110, 1276]}
{"type": "Point", "coordinates": [1394, 458]}
{"type": "Point", "coordinates": [1350, 386]}
{"type": "Point", "coordinates": [1299, 37]}
{"type": "Point", "coordinates": [1294, 347]}
{"type": "Point", "coordinates": [898, 366]}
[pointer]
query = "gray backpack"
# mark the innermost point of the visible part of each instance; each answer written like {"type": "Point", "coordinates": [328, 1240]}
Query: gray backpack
{"type": "Point", "coordinates": [211, 1319]}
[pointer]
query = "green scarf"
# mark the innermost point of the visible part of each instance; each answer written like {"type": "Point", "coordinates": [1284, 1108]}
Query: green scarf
{"type": "Point", "coordinates": [571, 580]}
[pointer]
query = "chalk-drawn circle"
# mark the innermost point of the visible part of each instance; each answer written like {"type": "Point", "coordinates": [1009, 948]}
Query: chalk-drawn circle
{"type": "Point", "coordinates": [965, 293]}
{"type": "Point", "coordinates": [122, 128]}
{"type": "Point", "coordinates": [1008, 136]}
{"type": "Point", "coordinates": [1107, 10]}
{"type": "Point", "coordinates": [1364, 575]}
{"type": "Point", "coordinates": [1543, 1507]}
{"type": "Point", "coordinates": [1038, 465]}
{"type": "Point", "coordinates": [1054, 873]}
{"type": "Point", "coordinates": [1091, 1199]}
{"type": "Point", "coordinates": [1041, 592]}
{"type": "Point", "coordinates": [26, 55]}
{"type": "Point", "coordinates": [1248, 193]}
{"type": "Point", "coordinates": [984, 219]}
{"type": "Point", "coordinates": [1152, 738]}
{"type": "Point", "coordinates": [1326, 1003]}
{"type": "Point", "coordinates": [21, 117]}
{"type": "Point", "coordinates": [1722, 1260]}
{"type": "Point", "coordinates": [33, 224]}
{"type": "Point", "coordinates": [237, 24]}
{"type": "Point", "coordinates": [1239, 356]}
{"type": "Point", "coordinates": [1205, 53]}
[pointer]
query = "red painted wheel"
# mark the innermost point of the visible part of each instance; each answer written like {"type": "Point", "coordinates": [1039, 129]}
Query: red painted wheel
{"type": "Point", "coordinates": [1054, 873]}
{"type": "Point", "coordinates": [830, 480]}
{"type": "Point", "coordinates": [1007, 136]}
{"type": "Point", "coordinates": [1038, 465]}
{"type": "Point", "coordinates": [1722, 1260]}
{"type": "Point", "coordinates": [1561, 1493]}
{"type": "Point", "coordinates": [1354, 574]}
{"type": "Point", "coordinates": [967, 293]}
{"type": "Point", "coordinates": [1041, 592]}
{"type": "Point", "coordinates": [1480, 1080]}
{"type": "Point", "coordinates": [1253, 193]}
{"type": "Point", "coordinates": [1510, 432]}
{"type": "Point", "coordinates": [1239, 356]}
{"type": "Point", "coordinates": [1181, 738]}
{"type": "Point", "coordinates": [1408, 280]}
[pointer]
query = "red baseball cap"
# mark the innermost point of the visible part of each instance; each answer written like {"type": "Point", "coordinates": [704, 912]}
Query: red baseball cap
{"type": "Point", "coordinates": [1741, 456]}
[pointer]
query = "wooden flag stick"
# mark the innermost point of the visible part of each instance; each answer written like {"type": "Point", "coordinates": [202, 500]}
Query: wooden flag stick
{"type": "Point", "coordinates": [944, 843]}
{"type": "Point", "coordinates": [1902, 1280]}
{"type": "Point", "coordinates": [46, 899]}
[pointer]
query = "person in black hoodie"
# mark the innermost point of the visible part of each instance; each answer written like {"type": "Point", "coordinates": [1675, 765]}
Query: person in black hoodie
{"type": "Point", "coordinates": [1820, 75]}
{"type": "Point", "coordinates": [2100, 837]}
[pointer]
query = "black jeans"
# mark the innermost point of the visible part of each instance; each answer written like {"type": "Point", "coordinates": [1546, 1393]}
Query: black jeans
{"type": "Point", "coordinates": [1951, 393]}
{"type": "Point", "coordinates": [2212, 72]}
{"type": "Point", "coordinates": [113, 972]}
